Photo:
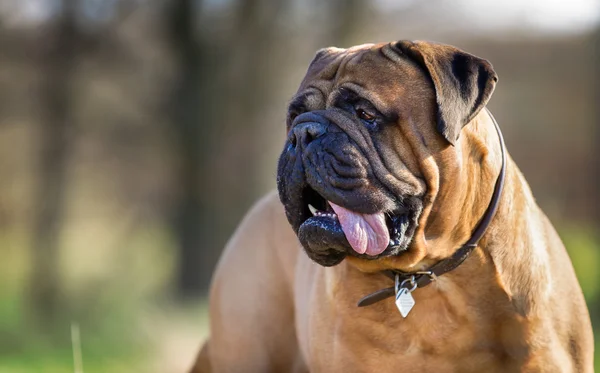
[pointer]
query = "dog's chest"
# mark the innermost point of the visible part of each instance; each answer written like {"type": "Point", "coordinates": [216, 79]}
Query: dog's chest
{"type": "Point", "coordinates": [336, 336]}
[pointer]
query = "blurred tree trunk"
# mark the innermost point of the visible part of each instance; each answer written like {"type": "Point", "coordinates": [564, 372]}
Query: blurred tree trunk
{"type": "Point", "coordinates": [56, 63]}
{"type": "Point", "coordinates": [253, 85]}
{"type": "Point", "coordinates": [350, 17]}
{"type": "Point", "coordinates": [192, 110]}
{"type": "Point", "coordinates": [596, 62]}
{"type": "Point", "coordinates": [216, 93]}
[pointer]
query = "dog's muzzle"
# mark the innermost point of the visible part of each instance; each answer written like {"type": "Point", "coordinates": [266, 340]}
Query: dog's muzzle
{"type": "Point", "coordinates": [332, 198]}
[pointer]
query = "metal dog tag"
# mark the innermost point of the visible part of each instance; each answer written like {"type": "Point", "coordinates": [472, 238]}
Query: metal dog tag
{"type": "Point", "coordinates": [404, 301]}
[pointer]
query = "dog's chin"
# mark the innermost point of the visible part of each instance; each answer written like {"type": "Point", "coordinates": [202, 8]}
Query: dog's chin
{"type": "Point", "coordinates": [324, 240]}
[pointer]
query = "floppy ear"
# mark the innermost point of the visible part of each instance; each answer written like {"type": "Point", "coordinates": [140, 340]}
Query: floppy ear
{"type": "Point", "coordinates": [463, 83]}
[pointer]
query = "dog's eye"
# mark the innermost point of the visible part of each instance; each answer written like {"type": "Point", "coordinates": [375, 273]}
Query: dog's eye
{"type": "Point", "coordinates": [364, 115]}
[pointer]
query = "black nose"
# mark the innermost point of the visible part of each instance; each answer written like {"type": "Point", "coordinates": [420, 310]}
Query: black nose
{"type": "Point", "coordinates": [304, 133]}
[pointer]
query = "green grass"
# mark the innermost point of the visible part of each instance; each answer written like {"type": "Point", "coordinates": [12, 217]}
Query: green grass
{"type": "Point", "coordinates": [110, 344]}
{"type": "Point", "coordinates": [124, 318]}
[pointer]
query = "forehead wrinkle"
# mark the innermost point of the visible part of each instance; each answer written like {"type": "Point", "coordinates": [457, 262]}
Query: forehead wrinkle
{"type": "Point", "coordinates": [374, 64]}
{"type": "Point", "coordinates": [325, 79]}
{"type": "Point", "coordinates": [346, 58]}
{"type": "Point", "coordinates": [321, 73]}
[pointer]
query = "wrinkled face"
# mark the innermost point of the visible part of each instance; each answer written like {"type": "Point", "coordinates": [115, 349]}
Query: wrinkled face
{"type": "Point", "coordinates": [350, 176]}
{"type": "Point", "coordinates": [346, 177]}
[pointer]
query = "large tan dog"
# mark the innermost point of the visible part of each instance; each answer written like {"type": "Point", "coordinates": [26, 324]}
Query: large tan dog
{"type": "Point", "coordinates": [391, 165]}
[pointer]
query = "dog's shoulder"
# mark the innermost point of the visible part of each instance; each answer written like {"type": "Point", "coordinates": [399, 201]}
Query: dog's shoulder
{"type": "Point", "coordinates": [250, 293]}
{"type": "Point", "coordinates": [265, 228]}
{"type": "Point", "coordinates": [263, 247]}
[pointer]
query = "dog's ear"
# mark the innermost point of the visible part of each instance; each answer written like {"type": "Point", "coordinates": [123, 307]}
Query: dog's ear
{"type": "Point", "coordinates": [463, 83]}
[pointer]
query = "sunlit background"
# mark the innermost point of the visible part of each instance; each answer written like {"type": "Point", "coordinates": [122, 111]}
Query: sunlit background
{"type": "Point", "coordinates": [134, 134]}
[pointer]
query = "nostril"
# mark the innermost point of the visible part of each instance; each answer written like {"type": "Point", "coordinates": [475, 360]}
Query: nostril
{"type": "Point", "coordinates": [308, 137]}
{"type": "Point", "coordinates": [316, 130]}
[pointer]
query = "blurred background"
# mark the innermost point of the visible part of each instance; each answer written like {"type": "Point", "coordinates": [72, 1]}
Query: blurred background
{"type": "Point", "coordinates": [134, 134]}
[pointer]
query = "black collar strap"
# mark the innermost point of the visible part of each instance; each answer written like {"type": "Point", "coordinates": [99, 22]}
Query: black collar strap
{"type": "Point", "coordinates": [424, 278]}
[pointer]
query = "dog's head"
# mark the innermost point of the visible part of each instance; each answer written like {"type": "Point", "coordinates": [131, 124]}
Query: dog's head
{"type": "Point", "coordinates": [355, 176]}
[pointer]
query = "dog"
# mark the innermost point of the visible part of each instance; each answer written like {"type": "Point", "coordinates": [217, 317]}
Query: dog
{"type": "Point", "coordinates": [395, 192]}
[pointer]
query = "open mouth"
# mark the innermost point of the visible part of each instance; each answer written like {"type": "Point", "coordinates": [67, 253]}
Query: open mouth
{"type": "Point", "coordinates": [369, 235]}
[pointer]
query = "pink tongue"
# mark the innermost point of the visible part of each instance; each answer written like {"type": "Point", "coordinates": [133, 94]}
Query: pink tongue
{"type": "Point", "coordinates": [365, 233]}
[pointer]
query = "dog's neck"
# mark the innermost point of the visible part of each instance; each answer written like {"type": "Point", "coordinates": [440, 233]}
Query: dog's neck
{"type": "Point", "coordinates": [507, 248]}
{"type": "Point", "coordinates": [465, 190]}
{"type": "Point", "coordinates": [502, 268]}
{"type": "Point", "coordinates": [479, 168]}
{"type": "Point", "coordinates": [511, 245]}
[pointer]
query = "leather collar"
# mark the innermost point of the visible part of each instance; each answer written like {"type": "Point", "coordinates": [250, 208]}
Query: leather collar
{"type": "Point", "coordinates": [424, 278]}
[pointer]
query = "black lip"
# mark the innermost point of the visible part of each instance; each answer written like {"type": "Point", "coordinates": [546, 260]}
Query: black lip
{"type": "Point", "coordinates": [325, 238]}
{"type": "Point", "coordinates": [398, 225]}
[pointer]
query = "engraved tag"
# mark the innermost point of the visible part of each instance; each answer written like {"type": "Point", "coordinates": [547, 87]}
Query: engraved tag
{"type": "Point", "coordinates": [404, 301]}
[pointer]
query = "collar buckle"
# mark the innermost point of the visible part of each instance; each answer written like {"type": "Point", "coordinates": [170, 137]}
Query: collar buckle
{"type": "Point", "coordinates": [432, 276]}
